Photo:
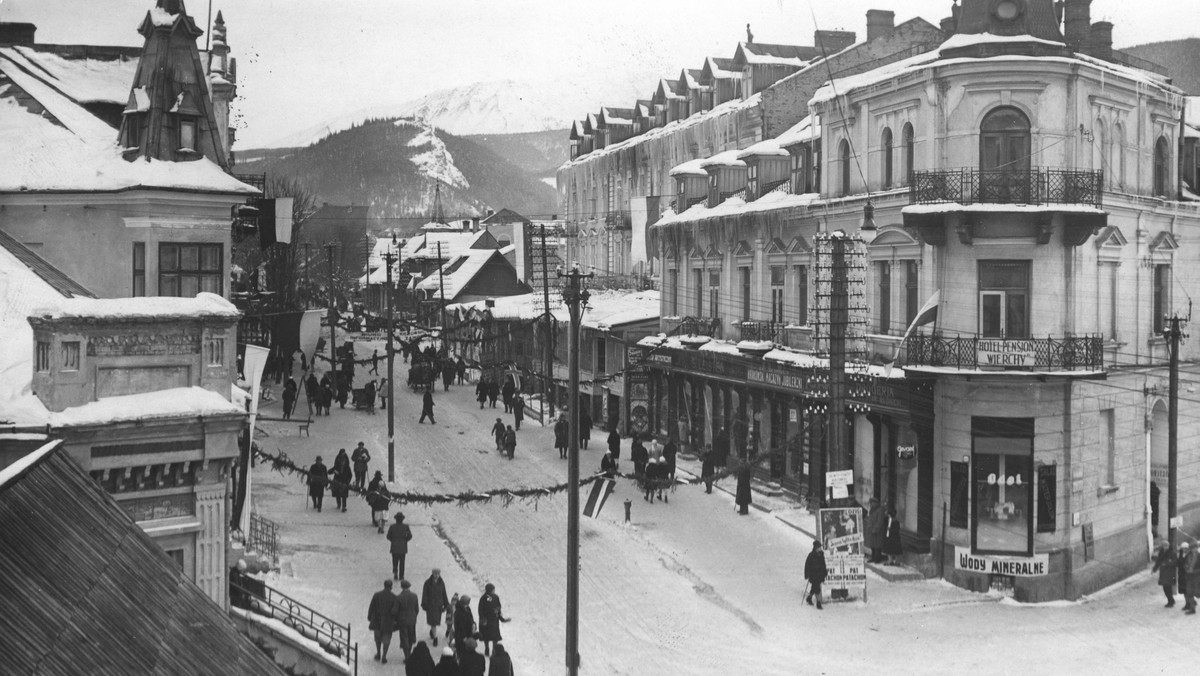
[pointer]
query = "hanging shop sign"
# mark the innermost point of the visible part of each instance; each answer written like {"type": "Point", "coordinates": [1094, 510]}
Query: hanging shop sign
{"type": "Point", "coordinates": [906, 451]}
{"type": "Point", "coordinates": [1022, 566]}
{"type": "Point", "coordinates": [842, 538]}
{"type": "Point", "coordinates": [1006, 353]}
{"type": "Point", "coordinates": [838, 483]}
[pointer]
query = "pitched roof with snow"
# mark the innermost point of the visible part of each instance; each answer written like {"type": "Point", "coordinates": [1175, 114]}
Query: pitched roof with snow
{"type": "Point", "coordinates": [88, 591]}
{"type": "Point", "coordinates": [425, 245]}
{"type": "Point", "coordinates": [608, 309]}
{"type": "Point", "coordinates": [611, 116]}
{"type": "Point", "coordinates": [760, 53]}
{"type": "Point", "coordinates": [460, 271]}
{"type": "Point", "coordinates": [82, 74]}
{"type": "Point", "coordinates": [719, 68]}
{"type": "Point", "coordinates": [729, 158]}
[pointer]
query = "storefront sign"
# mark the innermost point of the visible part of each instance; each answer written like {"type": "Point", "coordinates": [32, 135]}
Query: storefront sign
{"type": "Point", "coordinates": [1006, 353]}
{"type": "Point", "coordinates": [842, 538]}
{"type": "Point", "coordinates": [838, 483]}
{"type": "Point", "coordinates": [1033, 566]}
{"type": "Point", "coordinates": [143, 345]}
{"type": "Point", "coordinates": [164, 507]}
{"type": "Point", "coordinates": [787, 381]}
{"type": "Point", "coordinates": [906, 451]}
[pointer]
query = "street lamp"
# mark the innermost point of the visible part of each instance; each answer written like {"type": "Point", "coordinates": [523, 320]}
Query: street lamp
{"type": "Point", "coordinates": [576, 298]}
{"type": "Point", "coordinates": [388, 259]}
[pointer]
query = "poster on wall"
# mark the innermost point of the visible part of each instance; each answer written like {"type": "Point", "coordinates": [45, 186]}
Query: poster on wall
{"type": "Point", "coordinates": [842, 537]}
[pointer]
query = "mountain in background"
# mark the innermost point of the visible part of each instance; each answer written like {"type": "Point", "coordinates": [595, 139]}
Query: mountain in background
{"type": "Point", "coordinates": [393, 165]}
{"type": "Point", "coordinates": [539, 153]}
{"type": "Point", "coordinates": [1180, 57]}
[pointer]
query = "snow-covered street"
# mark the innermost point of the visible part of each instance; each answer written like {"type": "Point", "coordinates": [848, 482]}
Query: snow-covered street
{"type": "Point", "coordinates": [687, 587]}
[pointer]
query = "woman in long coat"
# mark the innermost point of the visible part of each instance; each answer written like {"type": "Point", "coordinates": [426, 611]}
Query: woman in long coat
{"type": "Point", "coordinates": [378, 498]}
{"type": "Point", "coordinates": [318, 476]}
{"type": "Point", "coordinates": [891, 537]}
{"type": "Point", "coordinates": [742, 497]}
{"type": "Point", "coordinates": [501, 664]}
{"type": "Point", "coordinates": [490, 617]}
{"type": "Point", "coordinates": [464, 623]}
{"type": "Point", "coordinates": [585, 428]}
{"type": "Point", "coordinates": [562, 429]}
{"type": "Point", "coordinates": [614, 443]}
{"type": "Point", "coordinates": [1165, 565]}
{"type": "Point", "coordinates": [420, 662]}
{"type": "Point", "coordinates": [342, 475]}
{"type": "Point", "coordinates": [876, 525]}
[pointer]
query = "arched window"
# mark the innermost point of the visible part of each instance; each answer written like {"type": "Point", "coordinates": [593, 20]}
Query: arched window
{"type": "Point", "coordinates": [1004, 141]}
{"type": "Point", "coordinates": [844, 159]}
{"type": "Point", "coordinates": [909, 151]}
{"type": "Point", "coordinates": [1162, 173]}
{"type": "Point", "coordinates": [885, 143]}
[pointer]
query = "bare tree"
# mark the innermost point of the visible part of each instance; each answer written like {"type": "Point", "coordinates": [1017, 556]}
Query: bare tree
{"type": "Point", "coordinates": [281, 266]}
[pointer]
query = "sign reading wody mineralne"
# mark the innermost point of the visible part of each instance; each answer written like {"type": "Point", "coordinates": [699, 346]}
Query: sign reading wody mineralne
{"type": "Point", "coordinates": [1031, 566]}
{"type": "Point", "coordinates": [1006, 353]}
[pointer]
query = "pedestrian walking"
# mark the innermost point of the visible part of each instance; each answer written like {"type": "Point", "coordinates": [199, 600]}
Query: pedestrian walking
{"type": "Point", "coordinates": [1181, 571]}
{"type": "Point", "coordinates": [434, 602]}
{"type": "Point", "coordinates": [447, 665]}
{"type": "Point", "coordinates": [460, 367]}
{"type": "Point", "coordinates": [378, 499]}
{"type": "Point", "coordinates": [891, 537]}
{"type": "Point", "coordinates": [375, 365]}
{"type": "Point", "coordinates": [481, 390]}
{"type": "Point", "coordinates": [510, 442]}
{"type": "Point", "coordinates": [341, 475]}
{"type": "Point", "coordinates": [562, 433]}
{"type": "Point", "coordinates": [420, 662]}
{"type": "Point", "coordinates": [614, 443]}
{"type": "Point", "coordinates": [490, 617]}
{"type": "Point", "coordinates": [1165, 564]}
{"type": "Point", "coordinates": [312, 392]}
{"type": "Point", "coordinates": [464, 623]}
{"type": "Point", "coordinates": [447, 375]}
{"type": "Point", "coordinates": [876, 530]}
{"type": "Point", "coordinates": [361, 459]}
{"type": "Point", "coordinates": [399, 535]}
{"type": "Point", "coordinates": [743, 497]}
{"type": "Point", "coordinates": [368, 396]}
{"type": "Point", "coordinates": [383, 392]}
{"type": "Point", "coordinates": [381, 619]}
{"type": "Point", "coordinates": [470, 662]}
{"type": "Point", "coordinates": [408, 606]}
{"type": "Point", "coordinates": [427, 408]}
{"type": "Point", "coordinates": [707, 468]}
{"type": "Point", "coordinates": [325, 399]}
{"type": "Point", "coordinates": [509, 389]}
{"type": "Point", "coordinates": [815, 572]}
{"type": "Point", "coordinates": [1190, 562]}
{"type": "Point", "coordinates": [289, 398]}
{"type": "Point", "coordinates": [498, 434]}
{"type": "Point", "coordinates": [450, 620]}
{"type": "Point", "coordinates": [318, 476]}
{"type": "Point", "coordinates": [651, 478]}
{"type": "Point", "coordinates": [639, 456]}
{"type": "Point", "coordinates": [669, 453]}
{"type": "Point", "coordinates": [493, 392]}
{"type": "Point", "coordinates": [501, 664]}
{"type": "Point", "coordinates": [585, 428]}
{"type": "Point", "coordinates": [518, 407]}
{"type": "Point", "coordinates": [608, 465]}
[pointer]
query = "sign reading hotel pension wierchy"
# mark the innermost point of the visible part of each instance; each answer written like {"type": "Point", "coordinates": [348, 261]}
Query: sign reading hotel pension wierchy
{"type": "Point", "coordinates": [1004, 353]}
{"type": "Point", "coordinates": [1031, 566]}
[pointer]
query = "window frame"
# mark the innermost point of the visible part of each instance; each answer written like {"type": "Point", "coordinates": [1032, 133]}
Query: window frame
{"type": "Point", "coordinates": [910, 145]}
{"type": "Point", "coordinates": [1162, 167]}
{"type": "Point", "coordinates": [1161, 297]}
{"type": "Point", "coordinates": [173, 274]}
{"type": "Point", "coordinates": [42, 356]}
{"type": "Point", "coordinates": [1004, 321]}
{"type": "Point", "coordinates": [777, 292]}
{"type": "Point", "coordinates": [714, 291]}
{"type": "Point", "coordinates": [844, 162]}
{"type": "Point", "coordinates": [883, 301]}
{"type": "Point", "coordinates": [912, 290]}
{"type": "Point", "coordinates": [139, 270]}
{"type": "Point", "coordinates": [802, 289]}
{"type": "Point", "coordinates": [747, 284]}
{"type": "Point", "coordinates": [70, 354]}
{"type": "Point", "coordinates": [1019, 431]}
{"type": "Point", "coordinates": [188, 122]}
{"type": "Point", "coordinates": [885, 142]}
{"type": "Point", "coordinates": [1005, 141]}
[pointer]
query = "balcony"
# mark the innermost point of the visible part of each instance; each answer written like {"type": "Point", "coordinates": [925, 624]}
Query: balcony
{"type": "Point", "coordinates": [692, 326]}
{"type": "Point", "coordinates": [1073, 353]}
{"type": "Point", "coordinates": [1032, 187]}
{"type": "Point", "coordinates": [618, 220]}
{"type": "Point", "coordinates": [757, 330]}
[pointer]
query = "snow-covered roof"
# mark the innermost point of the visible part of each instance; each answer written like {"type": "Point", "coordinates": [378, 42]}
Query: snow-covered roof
{"type": "Point", "coordinates": [606, 309]}
{"type": "Point", "coordinates": [425, 244]}
{"type": "Point", "coordinates": [690, 77]}
{"type": "Point", "coordinates": [84, 80]}
{"type": "Point", "coordinates": [803, 131]}
{"type": "Point", "coordinates": [690, 168]}
{"type": "Point", "coordinates": [955, 207]}
{"type": "Point", "coordinates": [159, 308]}
{"type": "Point", "coordinates": [767, 148]}
{"type": "Point", "coordinates": [737, 205]}
{"type": "Point", "coordinates": [729, 158]}
{"type": "Point", "coordinates": [756, 53]}
{"type": "Point", "coordinates": [721, 68]}
{"type": "Point", "coordinates": [172, 403]}
{"type": "Point", "coordinates": [458, 272]}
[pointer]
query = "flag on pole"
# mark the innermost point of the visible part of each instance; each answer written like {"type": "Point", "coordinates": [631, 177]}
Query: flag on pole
{"type": "Point", "coordinates": [597, 495]}
{"type": "Point", "coordinates": [927, 314]}
{"type": "Point", "coordinates": [254, 362]}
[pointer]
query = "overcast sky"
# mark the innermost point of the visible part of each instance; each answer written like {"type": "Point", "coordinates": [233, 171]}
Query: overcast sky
{"type": "Point", "coordinates": [303, 61]}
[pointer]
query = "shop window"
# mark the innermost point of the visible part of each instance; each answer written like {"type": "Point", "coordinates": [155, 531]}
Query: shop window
{"type": "Point", "coordinates": [43, 356]}
{"type": "Point", "coordinates": [912, 288]}
{"type": "Point", "coordinates": [139, 269]}
{"type": "Point", "coordinates": [883, 301]}
{"type": "Point", "coordinates": [1162, 291]}
{"type": "Point", "coordinates": [1004, 299]}
{"type": "Point", "coordinates": [777, 283]}
{"type": "Point", "coordinates": [187, 269]}
{"type": "Point", "coordinates": [70, 355]}
{"type": "Point", "coordinates": [886, 148]}
{"type": "Point", "coordinates": [802, 295]}
{"type": "Point", "coordinates": [745, 274]}
{"type": "Point", "coordinates": [1002, 461]}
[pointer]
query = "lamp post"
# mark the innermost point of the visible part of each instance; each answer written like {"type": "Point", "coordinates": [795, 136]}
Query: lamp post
{"type": "Point", "coordinates": [388, 259]}
{"type": "Point", "coordinates": [576, 298]}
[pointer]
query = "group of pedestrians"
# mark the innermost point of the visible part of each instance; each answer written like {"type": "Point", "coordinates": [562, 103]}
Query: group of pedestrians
{"type": "Point", "coordinates": [389, 613]}
{"type": "Point", "coordinates": [1182, 566]}
{"type": "Point", "coordinates": [347, 471]}
{"type": "Point", "coordinates": [505, 438]}
{"type": "Point", "coordinates": [882, 534]}
{"type": "Point", "coordinates": [562, 434]}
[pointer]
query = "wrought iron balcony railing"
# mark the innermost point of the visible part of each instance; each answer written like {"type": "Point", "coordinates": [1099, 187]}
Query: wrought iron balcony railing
{"type": "Point", "coordinates": [693, 326]}
{"type": "Point", "coordinates": [1073, 353]}
{"type": "Point", "coordinates": [758, 330]}
{"type": "Point", "coordinates": [252, 594]}
{"type": "Point", "coordinates": [1033, 186]}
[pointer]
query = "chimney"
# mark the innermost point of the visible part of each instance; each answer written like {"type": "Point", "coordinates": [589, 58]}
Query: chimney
{"type": "Point", "coordinates": [1100, 40]}
{"type": "Point", "coordinates": [832, 42]}
{"type": "Point", "coordinates": [880, 22]}
{"type": "Point", "coordinates": [1078, 22]}
{"type": "Point", "coordinates": [17, 33]}
{"type": "Point", "coordinates": [949, 25]}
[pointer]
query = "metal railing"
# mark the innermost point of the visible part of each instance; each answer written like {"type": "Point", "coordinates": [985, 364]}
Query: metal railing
{"type": "Point", "coordinates": [1073, 353]}
{"type": "Point", "coordinates": [758, 330]}
{"type": "Point", "coordinates": [263, 538]}
{"type": "Point", "coordinates": [694, 326]}
{"type": "Point", "coordinates": [1033, 186]}
{"type": "Point", "coordinates": [251, 594]}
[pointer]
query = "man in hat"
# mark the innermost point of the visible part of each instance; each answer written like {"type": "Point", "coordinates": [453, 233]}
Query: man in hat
{"type": "Point", "coordinates": [876, 525]}
{"type": "Point", "coordinates": [381, 619]}
{"type": "Point", "coordinates": [399, 535]}
{"type": "Point", "coordinates": [815, 572]}
{"type": "Point", "coordinates": [408, 607]}
{"type": "Point", "coordinates": [1189, 563]}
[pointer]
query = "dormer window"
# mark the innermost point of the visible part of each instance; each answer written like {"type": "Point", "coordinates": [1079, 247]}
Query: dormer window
{"type": "Point", "coordinates": [751, 181]}
{"type": "Point", "coordinates": [133, 130]}
{"type": "Point", "coordinates": [187, 133]}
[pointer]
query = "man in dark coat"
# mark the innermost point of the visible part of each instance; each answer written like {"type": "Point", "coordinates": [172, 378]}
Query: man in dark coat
{"type": "Point", "coordinates": [408, 607]}
{"type": "Point", "coordinates": [470, 662]}
{"type": "Point", "coordinates": [518, 407]}
{"type": "Point", "coordinates": [361, 459]}
{"type": "Point", "coordinates": [490, 617]}
{"type": "Point", "coordinates": [447, 375]}
{"type": "Point", "coordinates": [289, 398]}
{"type": "Point", "coordinates": [460, 367]}
{"type": "Point", "coordinates": [427, 408]}
{"type": "Point", "coordinates": [481, 390]}
{"type": "Point", "coordinates": [501, 664]}
{"type": "Point", "coordinates": [464, 624]}
{"type": "Point", "coordinates": [381, 619]}
{"type": "Point", "coordinates": [743, 497]}
{"type": "Point", "coordinates": [707, 468]}
{"type": "Point", "coordinates": [510, 442]}
{"type": "Point", "coordinates": [493, 392]}
{"type": "Point", "coordinates": [375, 368]}
{"type": "Point", "coordinates": [341, 475]}
{"type": "Point", "coordinates": [399, 535]}
{"type": "Point", "coordinates": [585, 428]}
{"type": "Point", "coordinates": [1165, 564]}
{"type": "Point", "coordinates": [312, 392]}
{"type": "Point", "coordinates": [876, 525]}
{"type": "Point", "coordinates": [639, 455]}
{"type": "Point", "coordinates": [670, 450]}
{"type": "Point", "coordinates": [614, 443]}
{"type": "Point", "coordinates": [379, 499]}
{"type": "Point", "coordinates": [434, 602]}
{"type": "Point", "coordinates": [318, 476]}
{"type": "Point", "coordinates": [1189, 568]}
{"type": "Point", "coordinates": [608, 465]}
{"type": "Point", "coordinates": [509, 389]}
{"type": "Point", "coordinates": [562, 432]}
{"type": "Point", "coordinates": [815, 572]}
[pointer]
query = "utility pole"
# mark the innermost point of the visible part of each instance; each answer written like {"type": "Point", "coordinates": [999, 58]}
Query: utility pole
{"type": "Point", "coordinates": [1173, 334]}
{"type": "Point", "coordinates": [548, 387]}
{"type": "Point", "coordinates": [441, 288]}
{"type": "Point", "coordinates": [307, 288]}
{"type": "Point", "coordinates": [576, 298]}
{"type": "Point", "coordinates": [332, 310]}
{"type": "Point", "coordinates": [388, 259]}
{"type": "Point", "coordinates": [839, 317]}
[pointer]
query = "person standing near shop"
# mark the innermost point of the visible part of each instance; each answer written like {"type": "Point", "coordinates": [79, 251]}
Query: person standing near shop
{"type": "Point", "coordinates": [876, 529]}
{"type": "Point", "coordinates": [585, 428]}
{"type": "Point", "coordinates": [508, 391]}
{"type": "Point", "coordinates": [562, 433]}
{"type": "Point", "coordinates": [891, 538]}
{"type": "Point", "coordinates": [815, 572]}
{"type": "Point", "coordinates": [1190, 565]}
{"type": "Point", "coordinates": [399, 535]}
{"type": "Point", "coordinates": [518, 407]}
{"type": "Point", "coordinates": [408, 606]}
{"type": "Point", "coordinates": [614, 442]}
{"type": "Point", "coordinates": [707, 468]}
{"type": "Point", "coordinates": [1165, 565]}
{"type": "Point", "coordinates": [743, 497]}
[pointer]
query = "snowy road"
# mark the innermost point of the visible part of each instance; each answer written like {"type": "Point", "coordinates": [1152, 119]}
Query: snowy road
{"type": "Point", "coordinates": [689, 587]}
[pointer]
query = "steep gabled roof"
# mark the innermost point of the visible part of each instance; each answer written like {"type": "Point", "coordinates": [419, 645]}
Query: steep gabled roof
{"type": "Point", "coordinates": [84, 590]}
{"type": "Point", "coordinates": [611, 116]}
{"type": "Point", "coordinates": [689, 78]}
{"type": "Point", "coordinates": [669, 89]}
{"type": "Point", "coordinates": [759, 53]}
{"type": "Point", "coordinates": [503, 217]}
{"type": "Point", "coordinates": [717, 68]}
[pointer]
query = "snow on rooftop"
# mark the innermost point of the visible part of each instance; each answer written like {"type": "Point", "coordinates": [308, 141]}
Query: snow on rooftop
{"type": "Point", "coordinates": [803, 131]}
{"type": "Point", "coordinates": [954, 207]}
{"type": "Point", "coordinates": [729, 158]}
{"type": "Point", "coordinates": [148, 307]}
{"type": "Point", "coordinates": [425, 244]}
{"type": "Point", "coordinates": [690, 168]}
{"type": "Point", "coordinates": [767, 148]}
{"type": "Point", "coordinates": [605, 309]}
{"type": "Point", "coordinates": [82, 80]}
{"type": "Point", "coordinates": [161, 17]}
{"type": "Point", "coordinates": [436, 163]}
{"type": "Point", "coordinates": [737, 205]}
{"type": "Point", "coordinates": [25, 462]}
{"type": "Point", "coordinates": [171, 403]}
{"type": "Point", "coordinates": [457, 273]}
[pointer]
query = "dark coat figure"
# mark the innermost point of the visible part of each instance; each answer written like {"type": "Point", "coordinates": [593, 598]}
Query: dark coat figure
{"type": "Point", "coordinates": [562, 430]}
{"type": "Point", "coordinates": [510, 442]}
{"type": "Point", "coordinates": [375, 362]}
{"type": "Point", "coordinates": [342, 475]}
{"type": "Point", "coordinates": [1154, 494]}
{"type": "Point", "coordinates": [408, 606]}
{"type": "Point", "coordinates": [361, 459]}
{"type": "Point", "coordinates": [493, 392]}
{"type": "Point", "coordinates": [303, 361]}
{"type": "Point", "coordinates": [670, 450]}
{"type": "Point", "coordinates": [1189, 566]}
{"type": "Point", "coordinates": [383, 393]}
{"type": "Point", "coordinates": [464, 623]}
{"type": "Point", "coordinates": [343, 389]}
{"type": "Point", "coordinates": [420, 662]}
{"type": "Point", "coordinates": [369, 395]}
{"type": "Point", "coordinates": [434, 602]}
{"type": "Point", "coordinates": [608, 465]}
{"type": "Point", "coordinates": [501, 664]}
{"type": "Point", "coordinates": [614, 443]}
{"type": "Point", "coordinates": [312, 391]}
{"type": "Point", "coordinates": [381, 619]}
{"type": "Point", "coordinates": [427, 408]}
{"type": "Point", "coordinates": [447, 665]}
{"type": "Point", "coordinates": [379, 499]}
{"type": "Point", "coordinates": [498, 434]}
{"type": "Point", "coordinates": [490, 617]}
{"type": "Point", "coordinates": [318, 476]}
{"type": "Point", "coordinates": [399, 535]}
{"type": "Point", "coordinates": [743, 497]}
{"type": "Point", "coordinates": [518, 407]}
{"type": "Point", "coordinates": [721, 448]}
{"type": "Point", "coordinates": [481, 390]}
{"type": "Point", "coordinates": [325, 399]}
{"type": "Point", "coordinates": [471, 663]}
{"type": "Point", "coordinates": [1181, 569]}
{"type": "Point", "coordinates": [447, 376]}
{"type": "Point", "coordinates": [707, 469]}
{"type": "Point", "coordinates": [460, 368]}
{"type": "Point", "coordinates": [509, 389]}
{"type": "Point", "coordinates": [639, 455]}
{"type": "Point", "coordinates": [1165, 564]}
{"type": "Point", "coordinates": [585, 428]}
{"type": "Point", "coordinates": [289, 398]}
{"type": "Point", "coordinates": [815, 572]}
{"type": "Point", "coordinates": [891, 537]}
{"type": "Point", "coordinates": [876, 530]}
{"type": "Point", "coordinates": [650, 482]}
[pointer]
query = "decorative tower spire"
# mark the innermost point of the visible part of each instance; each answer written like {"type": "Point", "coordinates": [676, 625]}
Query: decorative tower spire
{"type": "Point", "coordinates": [439, 214]}
{"type": "Point", "coordinates": [218, 62]}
